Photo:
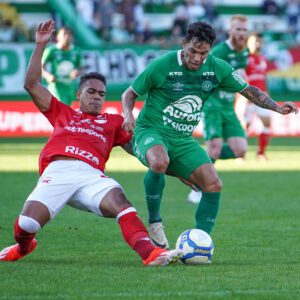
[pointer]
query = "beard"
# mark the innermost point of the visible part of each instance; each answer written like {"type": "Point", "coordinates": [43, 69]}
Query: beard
{"type": "Point", "coordinates": [239, 43]}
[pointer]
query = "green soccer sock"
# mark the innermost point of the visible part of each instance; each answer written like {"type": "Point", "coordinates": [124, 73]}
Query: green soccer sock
{"type": "Point", "coordinates": [207, 211]}
{"type": "Point", "coordinates": [154, 184]}
{"type": "Point", "coordinates": [226, 152]}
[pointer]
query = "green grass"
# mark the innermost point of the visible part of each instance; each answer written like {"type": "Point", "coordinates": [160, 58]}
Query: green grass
{"type": "Point", "coordinates": [81, 256]}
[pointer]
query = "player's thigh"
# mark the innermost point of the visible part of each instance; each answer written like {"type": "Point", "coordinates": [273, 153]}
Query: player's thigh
{"type": "Point", "coordinates": [232, 126]}
{"type": "Point", "coordinates": [145, 139]}
{"type": "Point", "coordinates": [212, 125]}
{"type": "Point", "coordinates": [186, 156]}
{"type": "Point", "coordinates": [206, 177]}
{"type": "Point", "coordinates": [238, 145]}
{"type": "Point", "coordinates": [89, 197]}
{"type": "Point", "coordinates": [55, 187]}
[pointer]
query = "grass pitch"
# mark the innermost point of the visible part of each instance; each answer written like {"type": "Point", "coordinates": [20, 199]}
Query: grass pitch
{"type": "Point", "coordinates": [81, 256]}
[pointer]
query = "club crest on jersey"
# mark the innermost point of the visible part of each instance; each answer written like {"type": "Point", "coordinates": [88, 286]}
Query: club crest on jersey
{"type": "Point", "coordinates": [87, 155]}
{"type": "Point", "coordinates": [206, 86]}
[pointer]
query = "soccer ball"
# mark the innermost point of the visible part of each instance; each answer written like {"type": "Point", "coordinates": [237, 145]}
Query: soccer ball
{"type": "Point", "coordinates": [196, 245]}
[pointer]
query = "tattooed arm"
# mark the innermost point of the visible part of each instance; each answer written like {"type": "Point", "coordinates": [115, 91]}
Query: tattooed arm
{"type": "Point", "coordinates": [261, 99]}
{"type": "Point", "coordinates": [128, 147]}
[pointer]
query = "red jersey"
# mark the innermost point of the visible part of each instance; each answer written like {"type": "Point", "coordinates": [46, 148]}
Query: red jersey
{"type": "Point", "coordinates": [256, 71]}
{"type": "Point", "coordinates": [83, 136]}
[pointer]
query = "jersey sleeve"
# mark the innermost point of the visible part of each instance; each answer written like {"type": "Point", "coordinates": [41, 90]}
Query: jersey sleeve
{"type": "Point", "coordinates": [229, 79]}
{"type": "Point", "coordinates": [149, 78]}
{"type": "Point", "coordinates": [121, 136]}
{"type": "Point", "coordinates": [55, 109]}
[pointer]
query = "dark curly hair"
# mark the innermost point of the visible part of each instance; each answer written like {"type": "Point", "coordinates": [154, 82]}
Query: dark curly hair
{"type": "Point", "coordinates": [91, 75]}
{"type": "Point", "coordinates": [200, 31]}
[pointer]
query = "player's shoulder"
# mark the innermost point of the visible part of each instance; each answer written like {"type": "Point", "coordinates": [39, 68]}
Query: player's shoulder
{"type": "Point", "coordinates": [117, 118]}
{"type": "Point", "coordinates": [218, 62]}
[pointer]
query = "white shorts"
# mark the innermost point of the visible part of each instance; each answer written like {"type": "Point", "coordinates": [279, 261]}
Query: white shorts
{"type": "Point", "coordinates": [253, 109]}
{"type": "Point", "coordinates": [72, 182]}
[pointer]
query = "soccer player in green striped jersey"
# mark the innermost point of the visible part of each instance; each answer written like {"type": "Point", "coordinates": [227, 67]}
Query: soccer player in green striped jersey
{"type": "Point", "coordinates": [62, 64]}
{"type": "Point", "coordinates": [177, 85]}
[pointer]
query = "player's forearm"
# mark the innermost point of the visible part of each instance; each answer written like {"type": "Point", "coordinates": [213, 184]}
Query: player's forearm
{"type": "Point", "coordinates": [259, 98]}
{"type": "Point", "coordinates": [128, 101]}
{"type": "Point", "coordinates": [128, 148]}
{"type": "Point", "coordinates": [34, 70]}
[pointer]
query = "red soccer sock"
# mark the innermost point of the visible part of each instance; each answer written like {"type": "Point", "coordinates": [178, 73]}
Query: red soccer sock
{"type": "Point", "coordinates": [22, 237]}
{"type": "Point", "coordinates": [135, 233]}
{"type": "Point", "coordinates": [263, 142]}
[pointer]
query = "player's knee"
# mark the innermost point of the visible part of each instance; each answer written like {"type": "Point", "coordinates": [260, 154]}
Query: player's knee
{"type": "Point", "coordinates": [215, 152]}
{"type": "Point", "coordinates": [29, 224]}
{"type": "Point", "coordinates": [159, 166]}
{"type": "Point", "coordinates": [240, 152]}
{"type": "Point", "coordinates": [214, 186]}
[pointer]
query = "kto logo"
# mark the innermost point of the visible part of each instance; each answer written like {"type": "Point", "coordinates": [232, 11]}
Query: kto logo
{"type": "Point", "coordinates": [82, 153]}
{"type": "Point", "coordinates": [175, 73]}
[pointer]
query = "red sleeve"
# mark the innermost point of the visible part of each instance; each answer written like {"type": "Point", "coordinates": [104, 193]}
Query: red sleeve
{"type": "Point", "coordinates": [56, 107]}
{"type": "Point", "coordinates": [122, 136]}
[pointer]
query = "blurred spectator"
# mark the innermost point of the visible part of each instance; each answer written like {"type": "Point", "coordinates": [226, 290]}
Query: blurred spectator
{"type": "Point", "coordinates": [209, 8]}
{"type": "Point", "coordinates": [86, 9]}
{"type": "Point", "coordinates": [7, 31]}
{"type": "Point", "coordinates": [195, 10]}
{"type": "Point", "coordinates": [104, 12]}
{"type": "Point", "coordinates": [270, 7]}
{"type": "Point", "coordinates": [292, 11]}
{"type": "Point", "coordinates": [119, 34]}
{"type": "Point", "coordinates": [139, 19]}
{"type": "Point", "coordinates": [180, 20]}
{"type": "Point", "coordinates": [127, 9]}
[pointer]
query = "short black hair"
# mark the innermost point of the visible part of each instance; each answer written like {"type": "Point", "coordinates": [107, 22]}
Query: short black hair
{"type": "Point", "coordinates": [91, 75]}
{"type": "Point", "coordinates": [200, 31]}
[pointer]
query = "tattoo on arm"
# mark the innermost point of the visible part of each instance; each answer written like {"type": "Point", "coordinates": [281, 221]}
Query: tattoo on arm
{"type": "Point", "coordinates": [128, 148]}
{"type": "Point", "coordinates": [259, 98]}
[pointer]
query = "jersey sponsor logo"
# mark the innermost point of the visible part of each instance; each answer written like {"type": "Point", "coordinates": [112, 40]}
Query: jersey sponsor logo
{"type": "Point", "coordinates": [175, 73]}
{"type": "Point", "coordinates": [88, 131]}
{"type": "Point", "coordinates": [180, 113]}
{"type": "Point", "coordinates": [208, 73]}
{"type": "Point", "coordinates": [87, 155]}
{"type": "Point", "coordinates": [207, 86]}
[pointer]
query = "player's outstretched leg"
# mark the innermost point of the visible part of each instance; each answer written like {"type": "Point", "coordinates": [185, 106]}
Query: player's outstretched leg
{"type": "Point", "coordinates": [136, 235]}
{"type": "Point", "coordinates": [161, 257]}
{"type": "Point", "coordinates": [25, 239]}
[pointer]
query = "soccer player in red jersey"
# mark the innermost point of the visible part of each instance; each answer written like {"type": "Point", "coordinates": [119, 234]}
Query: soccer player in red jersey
{"type": "Point", "coordinates": [72, 164]}
{"type": "Point", "coordinates": [256, 74]}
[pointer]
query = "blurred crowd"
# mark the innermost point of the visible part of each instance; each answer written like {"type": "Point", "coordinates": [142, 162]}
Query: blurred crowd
{"type": "Point", "coordinates": [125, 21]}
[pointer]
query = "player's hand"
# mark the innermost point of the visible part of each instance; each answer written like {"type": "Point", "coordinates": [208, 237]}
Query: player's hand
{"type": "Point", "coordinates": [129, 124]}
{"type": "Point", "coordinates": [44, 32]}
{"type": "Point", "coordinates": [50, 78]}
{"type": "Point", "coordinates": [289, 107]}
{"type": "Point", "coordinates": [74, 73]}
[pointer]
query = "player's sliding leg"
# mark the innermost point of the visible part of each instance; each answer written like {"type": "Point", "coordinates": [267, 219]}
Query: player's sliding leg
{"type": "Point", "coordinates": [24, 231]}
{"type": "Point", "coordinates": [154, 184]}
{"type": "Point", "coordinates": [136, 235]}
{"type": "Point", "coordinates": [115, 204]}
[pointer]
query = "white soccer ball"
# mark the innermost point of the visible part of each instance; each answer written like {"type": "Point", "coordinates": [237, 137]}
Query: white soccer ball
{"type": "Point", "coordinates": [197, 247]}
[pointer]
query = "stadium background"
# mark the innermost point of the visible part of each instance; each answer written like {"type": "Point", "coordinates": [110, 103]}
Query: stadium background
{"type": "Point", "coordinates": [122, 51]}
